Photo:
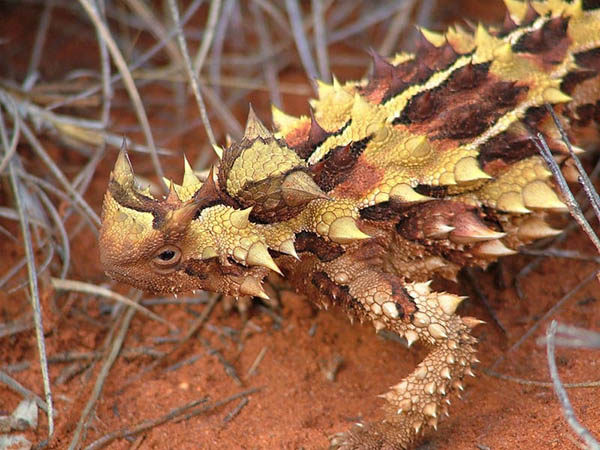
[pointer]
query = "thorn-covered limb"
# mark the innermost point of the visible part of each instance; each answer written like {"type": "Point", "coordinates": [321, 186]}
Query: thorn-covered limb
{"type": "Point", "coordinates": [421, 399]}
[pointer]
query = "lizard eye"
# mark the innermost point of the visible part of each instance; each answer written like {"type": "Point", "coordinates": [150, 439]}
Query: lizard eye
{"type": "Point", "coordinates": [167, 259]}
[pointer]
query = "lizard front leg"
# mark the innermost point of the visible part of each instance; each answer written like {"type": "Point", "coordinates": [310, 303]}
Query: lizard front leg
{"type": "Point", "coordinates": [412, 310]}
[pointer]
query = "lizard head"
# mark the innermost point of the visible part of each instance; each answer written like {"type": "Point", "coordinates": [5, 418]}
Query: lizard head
{"type": "Point", "coordinates": [141, 238]}
{"type": "Point", "coordinates": [168, 245]}
{"type": "Point", "coordinates": [197, 237]}
{"type": "Point", "coordinates": [221, 234]}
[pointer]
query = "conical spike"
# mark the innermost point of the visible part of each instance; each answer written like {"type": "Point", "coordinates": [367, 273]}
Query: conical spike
{"type": "Point", "coordinates": [437, 331]}
{"type": "Point", "coordinates": [436, 39]}
{"type": "Point", "coordinates": [509, 24]}
{"type": "Point", "coordinates": [298, 188]}
{"type": "Point", "coordinates": [258, 255]}
{"type": "Point", "coordinates": [283, 121]}
{"type": "Point", "coordinates": [239, 218]}
{"type": "Point", "coordinates": [467, 169]}
{"type": "Point", "coordinates": [424, 46]}
{"type": "Point", "coordinates": [517, 9]}
{"type": "Point", "coordinates": [430, 410]}
{"type": "Point", "coordinates": [469, 229]}
{"type": "Point", "coordinates": [449, 302]}
{"type": "Point", "coordinates": [316, 133]}
{"type": "Point", "coordinates": [362, 108]}
{"type": "Point", "coordinates": [404, 193]}
{"type": "Point", "coordinates": [530, 13]}
{"type": "Point", "coordinates": [471, 322]}
{"type": "Point", "coordinates": [482, 35]}
{"type": "Point", "coordinates": [146, 191]}
{"type": "Point", "coordinates": [209, 252]}
{"type": "Point", "coordinates": [378, 325]}
{"type": "Point", "coordinates": [554, 95]}
{"type": "Point", "coordinates": [512, 202]}
{"type": "Point", "coordinates": [255, 128]}
{"type": "Point", "coordinates": [122, 173]}
{"type": "Point", "coordinates": [422, 288]}
{"type": "Point", "coordinates": [173, 197]}
{"type": "Point", "coordinates": [460, 39]}
{"type": "Point", "coordinates": [178, 219]}
{"type": "Point", "coordinates": [382, 69]}
{"type": "Point", "coordinates": [538, 195]}
{"type": "Point", "coordinates": [433, 422]}
{"type": "Point", "coordinates": [336, 83]}
{"type": "Point", "coordinates": [288, 248]}
{"type": "Point", "coordinates": [445, 373]}
{"type": "Point", "coordinates": [325, 89]}
{"type": "Point", "coordinates": [344, 230]}
{"type": "Point", "coordinates": [417, 426]}
{"type": "Point", "coordinates": [430, 388]}
{"type": "Point", "coordinates": [536, 228]}
{"type": "Point", "coordinates": [418, 146]}
{"type": "Point", "coordinates": [189, 177]}
{"type": "Point", "coordinates": [493, 249]}
{"type": "Point", "coordinates": [251, 286]}
{"type": "Point", "coordinates": [411, 337]}
{"type": "Point", "coordinates": [218, 150]}
{"type": "Point", "coordinates": [439, 230]}
{"type": "Point", "coordinates": [167, 181]}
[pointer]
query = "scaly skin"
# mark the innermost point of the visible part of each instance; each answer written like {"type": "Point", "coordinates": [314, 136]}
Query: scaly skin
{"type": "Point", "coordinates": [416, 172]}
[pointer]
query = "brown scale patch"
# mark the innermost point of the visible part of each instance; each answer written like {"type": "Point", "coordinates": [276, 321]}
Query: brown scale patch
{"type": "Point", "coordinates": [359, 181]}
{"type": "Point", "coordinates": [508, 25]}
{"type": "Point", "coordinates": [337, 165]}
{"type": "Point", "coordinates": [404, 302]}
{"type": "Point", "coordinates": [199, 268]}
{"type": "Point", "coordinates": [550, 42]}
{"type": "Point", "coordinates": [468, 103]}
{"type": "Point", "coordinates": [590, 4]}
{"type": "Point", "coordinates": [506, 148]}
{"type": "Point", "coordinates": [315, 244]}
{"type": "Point", "coordinates": [530, 15]}
{"type": "Point", "coordinates": [468, 77]}
{"type": "Point", "coordinates": [573, 79]}
{"type": "Point", "coordinates": [589, 60]}
{"type": "Point", "coordinates": [387, 81]}
{"type": "Point", "coordinates": [515, 144]}
{"type": "Point", "coordinates": [432, 191]}
{"type": "Point", "coordinates": [586, 114]}
{"type": "Point", "coordinates": [267, 201]}
{"type": "Point", "coordinates": [379, 213]}
{"type": "Point", "coordinates": [419, 221]}
{"type": "Point", "coordinates": [298, 135]}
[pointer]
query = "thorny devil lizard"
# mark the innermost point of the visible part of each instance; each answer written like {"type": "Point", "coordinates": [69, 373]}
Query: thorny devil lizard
{"type": "Point", "coordinates": [424, 168]}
